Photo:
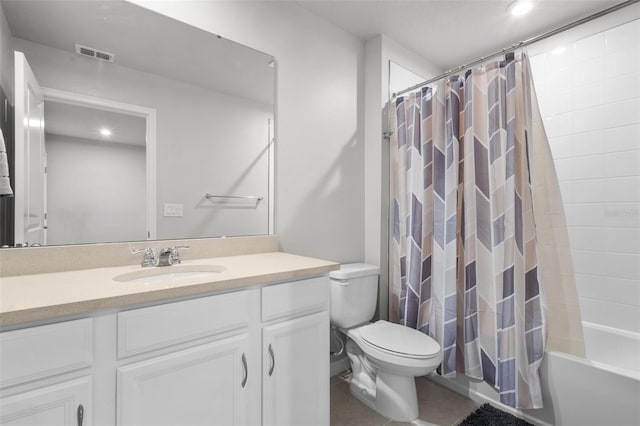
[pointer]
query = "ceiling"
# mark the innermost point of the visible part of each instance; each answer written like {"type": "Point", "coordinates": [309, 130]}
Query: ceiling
{"type": "Point", "coordinates": [447, 33]}
{"type": "Point", "coordinates": [84, 123]}
{"type": "Point", "coordinates": [453, 32]}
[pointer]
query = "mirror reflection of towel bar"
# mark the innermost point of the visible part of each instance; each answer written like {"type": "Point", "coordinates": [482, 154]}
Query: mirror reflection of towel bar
{"type": "Point", "coordinates": [246, 197]}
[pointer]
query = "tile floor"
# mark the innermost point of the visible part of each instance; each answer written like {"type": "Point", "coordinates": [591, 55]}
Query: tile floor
{"type": "Point", "coordinates": [438, 406]}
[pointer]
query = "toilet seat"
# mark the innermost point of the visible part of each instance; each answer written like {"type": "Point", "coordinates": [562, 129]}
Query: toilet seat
{"type": "Point", "coordinates": [394, 342]}
{"type": "Point", "coordinates": [398, 340]}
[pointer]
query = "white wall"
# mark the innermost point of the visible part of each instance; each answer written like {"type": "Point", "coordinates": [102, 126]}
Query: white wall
{"type": "Point", "coordinates": [589, 97]}
{"type": "Point", "coordinates": [400, 78]}
{"type": "Point", "coordinates": [380, 51]}
{"type": "Point", "coordinates": [319, 130]}
{"type": "Point", "coordinates": [381, 79]}
{"type": "Point", "coordinates": [87, 200]}
{"type": "Point", "coordinates": [206, 141]}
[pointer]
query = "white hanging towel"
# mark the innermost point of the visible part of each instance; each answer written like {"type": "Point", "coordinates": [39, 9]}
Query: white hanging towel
{"type": "Point", "coordinates": [5, 184]}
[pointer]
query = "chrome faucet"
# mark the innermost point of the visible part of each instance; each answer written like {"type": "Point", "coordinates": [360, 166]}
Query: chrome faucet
{"type": "Point", "coordinates": [148, 259]}
{"type": "Point", "coordinates": [166, 257]}
{"type": "Point", "coordinates": [175, 254]}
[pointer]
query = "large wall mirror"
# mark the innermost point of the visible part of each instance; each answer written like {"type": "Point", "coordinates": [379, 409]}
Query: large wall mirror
{"type": "Point", "coordinates": [135, 126]}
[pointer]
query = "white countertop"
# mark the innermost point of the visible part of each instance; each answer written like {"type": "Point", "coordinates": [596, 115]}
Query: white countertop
{"type": "Point", "coordinates": [26, 298]}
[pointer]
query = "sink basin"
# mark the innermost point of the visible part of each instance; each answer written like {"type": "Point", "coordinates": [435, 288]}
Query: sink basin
{"type": "Point", "coordinates": [169, 273]}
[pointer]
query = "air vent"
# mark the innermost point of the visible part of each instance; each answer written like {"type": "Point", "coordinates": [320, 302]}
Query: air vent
{"type": "Point", "coordinates": [94, 53]}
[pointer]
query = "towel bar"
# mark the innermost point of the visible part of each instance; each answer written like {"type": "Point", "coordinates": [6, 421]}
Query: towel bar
{"type": "Point", "coordinates": [246, 197]}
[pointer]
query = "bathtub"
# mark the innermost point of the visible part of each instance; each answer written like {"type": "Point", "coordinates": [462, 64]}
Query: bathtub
{"type": "Point", "coordinates": [612, 347]}
{"type": "Point", "coordinates": [601, 391]}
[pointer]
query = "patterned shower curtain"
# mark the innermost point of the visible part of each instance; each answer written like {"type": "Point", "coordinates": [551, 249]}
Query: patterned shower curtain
{"type": "Point", "coordinates": [463, 265]}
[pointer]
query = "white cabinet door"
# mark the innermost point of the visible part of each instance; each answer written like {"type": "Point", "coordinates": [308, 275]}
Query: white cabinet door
{"type": "Point", "coordinates": [295, 378]}
{"type": "Point", "coordinates": [63, 404]}
{"type": "Point", "coordinates": [203, 385]}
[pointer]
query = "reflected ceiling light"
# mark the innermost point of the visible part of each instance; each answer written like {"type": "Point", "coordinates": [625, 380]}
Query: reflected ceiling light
{"type": "Point", "coordinates": [34, 123]}
{"type": "Point", "coordinates": [105, 132]}
{"type": "Point", "coordinates": [558, 50]}
{"type": "Point", "coordinates": [520, 7]}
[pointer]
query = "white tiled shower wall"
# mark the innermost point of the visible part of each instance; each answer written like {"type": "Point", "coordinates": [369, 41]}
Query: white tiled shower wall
{"type": "Point", "coordinates": [589, 96]}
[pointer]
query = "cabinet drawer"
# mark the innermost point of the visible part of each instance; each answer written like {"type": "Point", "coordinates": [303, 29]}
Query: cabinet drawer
{"type": "Point", "coordinates": [156, 327]}
{"type": "Point", "coordinates": [39, 352]}
{"type": "Point", "coordinates": [295, 298]}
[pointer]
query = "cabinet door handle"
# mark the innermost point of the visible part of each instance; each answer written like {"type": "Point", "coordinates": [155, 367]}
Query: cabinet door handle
{"type": "Point", "coordinates": [273, 360]}
{"type": "Point", "coordinates": [80, 414]}
{"type": "Point", "coordinates": [244, 370]}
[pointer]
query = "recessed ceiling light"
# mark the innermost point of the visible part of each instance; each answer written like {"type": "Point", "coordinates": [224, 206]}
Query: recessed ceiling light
{"type": "Point", "coordinates": [520, 7]}
{"type": "Point", "coordinates": [105, 132]}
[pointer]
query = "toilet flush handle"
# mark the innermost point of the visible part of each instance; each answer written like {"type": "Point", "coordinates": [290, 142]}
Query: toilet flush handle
{"type": "Point", "coordinates": [273, 360]}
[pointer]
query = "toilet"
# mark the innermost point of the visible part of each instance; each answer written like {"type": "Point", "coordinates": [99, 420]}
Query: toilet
{"type": "Point", "coordinates": [385, 357]}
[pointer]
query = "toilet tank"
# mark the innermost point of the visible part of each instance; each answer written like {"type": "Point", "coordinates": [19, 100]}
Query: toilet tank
{"type": "Point", "coordinates": [354, 293]}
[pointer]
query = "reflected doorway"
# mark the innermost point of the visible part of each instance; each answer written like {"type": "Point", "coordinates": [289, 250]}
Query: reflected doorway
{"type": "Point", "coordinates": [100, 182]}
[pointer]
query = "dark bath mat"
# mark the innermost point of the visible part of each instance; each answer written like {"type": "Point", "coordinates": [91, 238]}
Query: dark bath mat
{"type": "Point", "coordinates": [488, 415]}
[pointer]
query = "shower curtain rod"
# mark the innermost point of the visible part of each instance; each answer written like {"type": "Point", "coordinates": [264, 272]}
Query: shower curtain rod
{"type": "Point", "coordinates": [518, 46]}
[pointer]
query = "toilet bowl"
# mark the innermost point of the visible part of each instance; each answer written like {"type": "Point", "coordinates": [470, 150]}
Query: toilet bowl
{"type": "Point", "coordinates": [385, 357]}
{"type": "Point", "coordinates": [385, 360]}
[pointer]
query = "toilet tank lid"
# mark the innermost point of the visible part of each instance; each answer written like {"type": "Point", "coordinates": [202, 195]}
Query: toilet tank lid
{"type": "Point", "coordinates": [354, 270]}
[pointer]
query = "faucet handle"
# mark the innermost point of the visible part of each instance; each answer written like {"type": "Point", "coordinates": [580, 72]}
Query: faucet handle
{"type": "Point", "coordinates": [149, 259]}
{"type": "Point", "coordinates": [175, 254]}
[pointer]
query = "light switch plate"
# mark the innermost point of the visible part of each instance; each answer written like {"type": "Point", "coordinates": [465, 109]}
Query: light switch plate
{"type": "Point", "coordinates": [173, 210]}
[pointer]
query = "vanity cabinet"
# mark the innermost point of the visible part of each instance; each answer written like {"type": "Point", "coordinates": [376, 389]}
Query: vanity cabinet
{"type": "Point", "coordinates": [203, 385]}
{"type": "Point", "coordinates": [295, 347]}
{"type": "Point", "coordinates": [67, 403]}
{"type": "Point", "coordinates": [202, 373]}
{"type": "Point", "coordinates": [295, 385]}
{"type": "Point", "coordinates": [46, 374]}
{"type": "Point", "coordinates": [257, 355]}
